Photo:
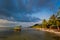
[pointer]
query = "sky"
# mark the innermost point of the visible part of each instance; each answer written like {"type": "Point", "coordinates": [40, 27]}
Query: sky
{"type": "Point", "coordinates": [20, 12]}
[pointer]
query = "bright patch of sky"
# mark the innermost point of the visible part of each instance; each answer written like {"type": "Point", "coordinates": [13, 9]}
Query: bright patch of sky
{"type": "Point", "coordinates": [27, 10]}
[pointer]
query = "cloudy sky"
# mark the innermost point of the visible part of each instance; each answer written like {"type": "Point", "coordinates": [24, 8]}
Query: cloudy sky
{"type": "Point", "coordinates": [26, 12]}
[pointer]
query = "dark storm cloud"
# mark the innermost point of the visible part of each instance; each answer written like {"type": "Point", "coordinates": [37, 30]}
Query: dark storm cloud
{"type": "Point", "coordinates": [17, 10]}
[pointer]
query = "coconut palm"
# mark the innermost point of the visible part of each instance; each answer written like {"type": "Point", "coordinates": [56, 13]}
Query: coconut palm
{"type": "Point", "coordinates": [44, 23]}
{"type": "Point", "coordinates": [52, 20]}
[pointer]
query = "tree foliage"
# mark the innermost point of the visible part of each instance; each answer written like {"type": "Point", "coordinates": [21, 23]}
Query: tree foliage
{"type": "Point", "coordinates": [44, 23]}
{"type": "Point", "coordinates": [52, 20]}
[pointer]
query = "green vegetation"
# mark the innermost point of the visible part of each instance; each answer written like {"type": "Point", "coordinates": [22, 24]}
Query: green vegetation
{"type": "Point", "coordinates": [44, 23]}
{"type": "Point", "coordinates": [17, 27]}
{"type": "Point", "coordinates": [36, 26]}
{"type": "Point", "coordinates": [53, 22]}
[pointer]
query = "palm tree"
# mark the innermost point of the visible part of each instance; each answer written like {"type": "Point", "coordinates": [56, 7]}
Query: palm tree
{"type": "Point", "coordinates": [52, 20]}
{"type": "Point", "coordinates": [57, 23]}
{"type": "Point", "coordinates": [58, 19]}
{"type": "Point", "coordinates": [44, 23]}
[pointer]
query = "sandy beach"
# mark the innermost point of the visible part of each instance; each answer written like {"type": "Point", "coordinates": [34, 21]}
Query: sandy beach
{"type": "Point", "coordinates": [49, 30]}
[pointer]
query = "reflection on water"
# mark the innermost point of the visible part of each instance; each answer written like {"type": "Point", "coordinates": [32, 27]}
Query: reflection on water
{"type": "Point", "coordinates": [29, 34]}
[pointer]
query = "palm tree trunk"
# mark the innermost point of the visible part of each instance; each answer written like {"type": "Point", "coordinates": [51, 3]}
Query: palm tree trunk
{"type": "Point", "coordinates": [58, 28]}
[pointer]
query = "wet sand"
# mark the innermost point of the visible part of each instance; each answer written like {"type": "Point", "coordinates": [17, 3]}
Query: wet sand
{"type": "Point", "coordinates": [28, 34]}
{"type": "Point", "coordinates": [49, 30]}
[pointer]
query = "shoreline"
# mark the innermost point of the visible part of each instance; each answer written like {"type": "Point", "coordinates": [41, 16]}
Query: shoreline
{"type": "Point", "coordinates": [49, 30]}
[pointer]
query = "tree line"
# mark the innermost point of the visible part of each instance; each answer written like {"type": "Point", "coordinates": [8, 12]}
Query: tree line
{"type": "Point", "coordinates": [53, 22]}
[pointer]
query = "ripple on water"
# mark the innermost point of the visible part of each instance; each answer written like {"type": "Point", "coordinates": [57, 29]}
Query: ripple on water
{"type": "Point", "coordinates": [29, 35]}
